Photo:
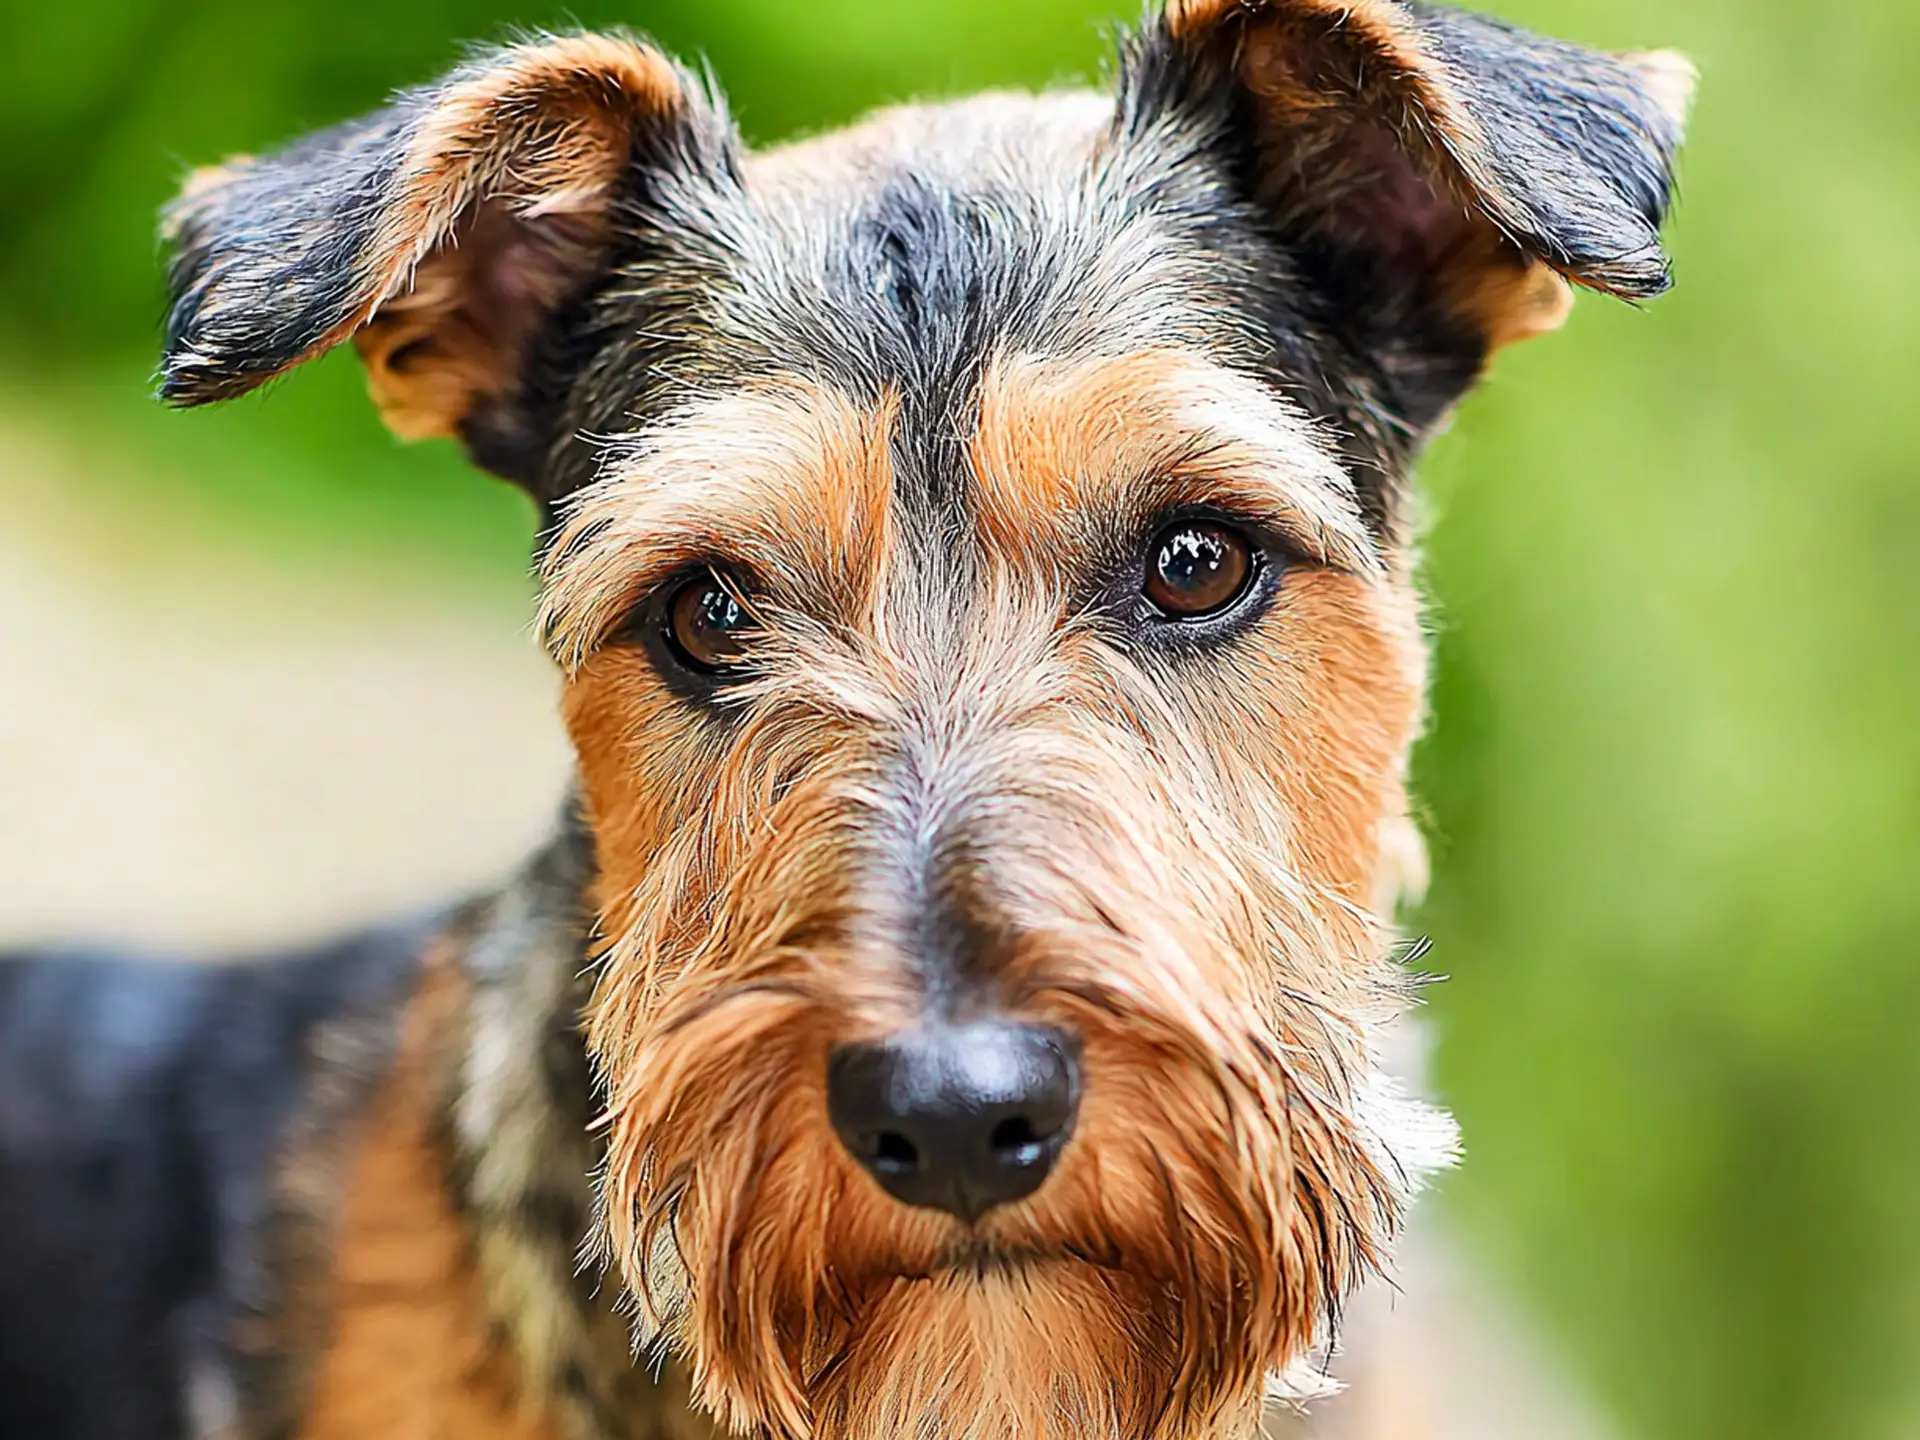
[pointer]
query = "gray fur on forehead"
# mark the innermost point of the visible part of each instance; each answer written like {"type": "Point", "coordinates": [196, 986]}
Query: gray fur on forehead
{"type": "Point", "coordinates": [1031, 218]}
{"type": "Point", "coordinates": [896, 257]}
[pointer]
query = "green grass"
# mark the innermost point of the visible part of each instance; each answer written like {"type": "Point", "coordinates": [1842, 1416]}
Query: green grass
{"type": "Point", "coordinates": [1674, 777]}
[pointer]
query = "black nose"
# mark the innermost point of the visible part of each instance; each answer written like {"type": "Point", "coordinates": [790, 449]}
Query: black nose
{"type": "Point", "coordinates": [959, 1118]}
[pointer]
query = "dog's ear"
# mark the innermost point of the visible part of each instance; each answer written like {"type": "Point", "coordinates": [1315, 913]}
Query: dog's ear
{"type": "Point", "coordinates": [1430, 170]}
{"type": "Point", "coordinates": [441, 234]}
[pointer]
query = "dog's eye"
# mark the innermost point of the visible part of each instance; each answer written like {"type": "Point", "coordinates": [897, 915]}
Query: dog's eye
{"type": "Point", "coordinates": [1197, 567]}
{"type": "Point", "coordinates": [707, 625]}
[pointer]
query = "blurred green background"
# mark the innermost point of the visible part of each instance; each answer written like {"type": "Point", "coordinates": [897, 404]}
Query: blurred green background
{"type": "Point", "coordinates": [1673, 782]}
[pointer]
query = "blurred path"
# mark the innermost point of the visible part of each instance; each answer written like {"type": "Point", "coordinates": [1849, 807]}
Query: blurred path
{"type": "Point", "coordinates": [210, 753]}
{"type": "Point", "coordinates": [199, 750]}
{"type": "Point", "coordinates": [1445, 1358]}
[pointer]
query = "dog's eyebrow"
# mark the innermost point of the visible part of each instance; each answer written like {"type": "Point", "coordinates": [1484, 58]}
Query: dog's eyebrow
{"type": "Point", "coordinates": [1064, 442]}
{"type": "Point", "coordinates": [787, 480]}
{"type": "Point", "coordinates": [793, 481]}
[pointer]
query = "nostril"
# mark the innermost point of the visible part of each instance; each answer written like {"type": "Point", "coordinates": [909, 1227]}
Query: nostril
{"type": "Point", "coordinates": [1015, 1141]}
{"type": "Point", "coordinates": [894, 1153]}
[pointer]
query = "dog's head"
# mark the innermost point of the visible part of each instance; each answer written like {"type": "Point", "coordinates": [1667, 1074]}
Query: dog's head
{"type": "Point", "coordinates": [976, 551]}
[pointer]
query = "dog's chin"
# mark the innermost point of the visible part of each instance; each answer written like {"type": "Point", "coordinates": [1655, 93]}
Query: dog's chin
{"type": "Point", "coordinates": [989, 1343]}
{"type": "Point", "coordinates": [999, 1344]}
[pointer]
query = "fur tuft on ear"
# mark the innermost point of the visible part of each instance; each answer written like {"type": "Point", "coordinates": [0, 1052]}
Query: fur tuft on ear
{"type": "Point", "coordinates": [1669, 79]}
{"type": "Point", "coordinates": [439, 233]}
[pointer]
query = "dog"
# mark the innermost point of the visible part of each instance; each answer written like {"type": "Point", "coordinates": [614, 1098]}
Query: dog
{"type": "Point", "coordinates": [979, 551]}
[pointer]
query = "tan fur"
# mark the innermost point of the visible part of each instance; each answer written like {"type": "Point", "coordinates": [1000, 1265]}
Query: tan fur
{"type": "Point", "coordinates": [1508, 298]}
{"type": "Point", "coordinates": [1308, 59]}
{"type": "Point", "coordinates": [413, 1351]}
{"type": "Point", "coordinates": [786, 477]}
{"type": "Point", "coordinates": [1065, 443]}
{"type": "Point", "coordinates": [458, 334]}
{"type": "Point", "coordinates": [1061, 441]}
{"type": "Point", "coordinates": [1337, 682]}
{"type": "Point", "coordinates": [543, 136]}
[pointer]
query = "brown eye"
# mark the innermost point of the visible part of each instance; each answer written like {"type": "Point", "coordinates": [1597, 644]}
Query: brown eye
{"type": "Point", "coordinates": [707, 625]}
{"type": "Point", "coordinates": [1196, 567]}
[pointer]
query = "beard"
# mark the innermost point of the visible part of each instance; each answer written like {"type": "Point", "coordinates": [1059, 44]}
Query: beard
{"type": "Point", "coordinates": [1218, 1200]}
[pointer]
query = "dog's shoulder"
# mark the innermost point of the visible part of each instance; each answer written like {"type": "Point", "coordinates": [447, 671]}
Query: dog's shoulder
{"type": "Point", "coordinates": [411, 1345]}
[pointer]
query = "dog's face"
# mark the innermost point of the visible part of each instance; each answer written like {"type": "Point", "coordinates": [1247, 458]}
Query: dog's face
{"type": "Point", "coordinates": [978, 562]}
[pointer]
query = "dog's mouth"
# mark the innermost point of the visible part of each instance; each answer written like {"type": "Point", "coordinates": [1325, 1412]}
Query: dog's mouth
{"type": "Point", "coordinates": [980, 1257]}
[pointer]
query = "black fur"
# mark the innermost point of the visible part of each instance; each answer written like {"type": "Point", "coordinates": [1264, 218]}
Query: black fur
{"type": "Point", "coordinates": [142, 1108]}
{"type": "Point", "coordinates": [1582, 153]}
{"type": "Point", "coordinates": [261, 279]}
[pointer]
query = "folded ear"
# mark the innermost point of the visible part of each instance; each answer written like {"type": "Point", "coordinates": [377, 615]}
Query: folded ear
{"type": "Point", "coordinates": [441, 234]}
{"type": "Point", "coordinates": [1432, 169]}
